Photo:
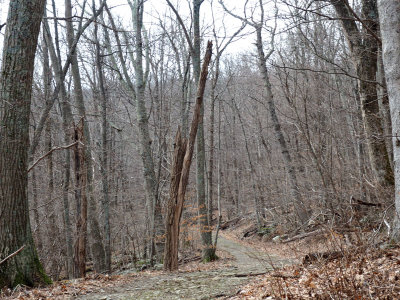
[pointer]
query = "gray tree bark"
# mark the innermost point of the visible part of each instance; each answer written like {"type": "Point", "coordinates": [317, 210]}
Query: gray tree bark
{"type": "Point", "coordinates": [68, 126]}
{"type": "Point", "coordinates": [364, 50]}
{"type": "Point", "coordinates": [389, 11]}
{"type": "Point", "coordinates": [21, 36]}
{"type": "Point", "coordinates": [104, 150]}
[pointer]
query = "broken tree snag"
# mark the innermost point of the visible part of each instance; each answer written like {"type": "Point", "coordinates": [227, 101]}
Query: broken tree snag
{"type": "Point", "coordinates": [183, 154]}
{"type": "Point", "coordinates": [173, 209]}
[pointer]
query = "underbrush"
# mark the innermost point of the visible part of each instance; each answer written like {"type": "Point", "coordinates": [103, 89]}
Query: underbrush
{"type": "Point", "coordinates": [358, 274]}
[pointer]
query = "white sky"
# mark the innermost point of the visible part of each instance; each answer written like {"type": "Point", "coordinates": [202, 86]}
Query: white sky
{"type": "Point", "coordinates": [155, 8]}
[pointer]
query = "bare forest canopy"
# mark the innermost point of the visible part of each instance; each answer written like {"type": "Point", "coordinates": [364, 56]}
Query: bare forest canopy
{"type": "Point", "coordinates": [290, 123]}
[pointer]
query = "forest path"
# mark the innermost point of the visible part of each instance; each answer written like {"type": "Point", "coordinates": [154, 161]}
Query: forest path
{"type": "Point", "coordinates": [200, 284]}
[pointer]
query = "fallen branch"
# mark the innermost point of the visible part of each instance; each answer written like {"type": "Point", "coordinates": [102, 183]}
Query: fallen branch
{"type": "Point", "coordinates": [304, 235]}
{"type": "Point", "coordinates": [249, 274]}
{"type": "Point", "coordinates": [51, 151]}
{"type": "Point", "coordinates": [189, 259]}
{"type": "Point", "coordinates": [12, 255]}
{"type": "Point", "coordinates": [284, 276]}
{"type": "Point", "coordinates": [230, 223]}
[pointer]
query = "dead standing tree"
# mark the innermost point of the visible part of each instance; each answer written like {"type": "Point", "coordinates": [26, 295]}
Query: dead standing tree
{"type": "Point", "coordinates": [183, 154]}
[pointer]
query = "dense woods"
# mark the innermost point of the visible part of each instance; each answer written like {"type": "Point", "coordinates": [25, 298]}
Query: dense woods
{"type": "Point", "coordinates": [126, 138]}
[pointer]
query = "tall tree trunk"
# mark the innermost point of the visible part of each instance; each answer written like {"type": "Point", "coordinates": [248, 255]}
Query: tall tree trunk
{"type": "Point", "coordinates": [144, 134]}
{"type": "Point", "coordinates": [68, 126]}
{"type": "Point", "coordinates": [205, 228]}
{"type": "Point", "coordinates": [21, 36]}
{"type": "Point", "coordinates": [50, 207]}
{"type": "Point", "coordinates": [389, 11]}
{"type": "Point", "coordinates": [104, 151]}
{"type": "Point", "coordinates": [300, 207]}
{"type": "Point", "coordinates": [95, 238]}
{"type": "Point", "coordinates": [364, 50]}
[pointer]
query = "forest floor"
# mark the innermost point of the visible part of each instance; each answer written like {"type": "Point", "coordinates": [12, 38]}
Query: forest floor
{"type": "Point", "coordinates": [325, 266]}
{"type": "Point", "coordinates": [239, 264]}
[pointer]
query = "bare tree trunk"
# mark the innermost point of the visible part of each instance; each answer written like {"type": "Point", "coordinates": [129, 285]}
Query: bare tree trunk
{"type": "Point", "coordinates": [81, 203]}
{"type": "Point", "coordinates": [50, 207]}
{"type": "Point", "coordinates": [183, 154]}
{"type": "Point", "coordinates": [21, 36]}
{"type": "Point", "coordinates": [389, 12]}
{"type": "Point", "coordinates": [144, 135]}
{"type": "Point", "coordinates": [104, 151]}
{"type": "Point", "coordinates": [205, 228]}
{"type": "Point", "coordinates": [300, 207]}
{"type": "Point", "coordinates": [95, 238]}
{"type": "Point", "coordinates": [364, 48]}
{"type": "Point", "coordinates": [68, 126]}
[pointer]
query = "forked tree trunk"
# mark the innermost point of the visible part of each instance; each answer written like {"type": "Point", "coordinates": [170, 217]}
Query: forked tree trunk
{"type": "Point", "coordinates": [183, 155]}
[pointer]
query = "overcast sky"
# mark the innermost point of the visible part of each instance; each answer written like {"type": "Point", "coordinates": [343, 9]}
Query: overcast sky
{"type": "Point", "coordinates": [155, 8]}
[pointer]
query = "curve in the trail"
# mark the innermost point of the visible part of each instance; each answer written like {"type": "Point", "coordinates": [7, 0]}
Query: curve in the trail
{"type": "Point", "coordinates": [197, 285]}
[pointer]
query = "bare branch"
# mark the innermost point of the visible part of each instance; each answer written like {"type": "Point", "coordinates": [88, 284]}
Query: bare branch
{"type": "Point", "coordinates": [12, 255]}
{"type": "Point", "coordinates": [51, 151]}
{"type": "Point", "coordinates": [182, 25]}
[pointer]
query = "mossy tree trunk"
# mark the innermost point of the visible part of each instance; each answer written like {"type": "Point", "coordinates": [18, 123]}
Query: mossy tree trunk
{"type": "Point", "coordinates": [23, 25]}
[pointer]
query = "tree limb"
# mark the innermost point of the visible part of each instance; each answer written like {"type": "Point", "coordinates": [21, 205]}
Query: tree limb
{"type": "Point", "coordinates": [12, 255]}
{"type": "Point", "coordinates": [51, 151]}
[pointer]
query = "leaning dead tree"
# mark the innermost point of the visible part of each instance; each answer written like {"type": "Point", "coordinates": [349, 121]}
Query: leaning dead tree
{"type": "Point", "coordinates": [183, 155]}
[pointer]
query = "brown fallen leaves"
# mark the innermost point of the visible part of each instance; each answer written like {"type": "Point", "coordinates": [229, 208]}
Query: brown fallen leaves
{"type": "Point", "coordinates": [359, 274]}
{"type": "Point", "coordinates": [95, 283]}
{"type": "Point", "coordinates": [68, 289]}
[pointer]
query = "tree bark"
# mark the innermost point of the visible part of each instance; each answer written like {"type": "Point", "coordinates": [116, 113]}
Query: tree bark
{"type": "Point", "coordinates": [389, 11]}
{"type": "Point", "coordinates": [21, 36]}
{"type": "Point", "coordinates": [364, 50]}
{"type": "Point", "coordinates": [68, 126]}
{"type": "Point", "coordinates": [104, 152]}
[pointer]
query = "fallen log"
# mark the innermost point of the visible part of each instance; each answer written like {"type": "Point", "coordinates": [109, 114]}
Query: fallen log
{"type": "Point", "coordinates": [250, 231]}
{"type": "Point", "coordinates": [230, 223]}
{"type": "Point", "coordinates": [304, 235]}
